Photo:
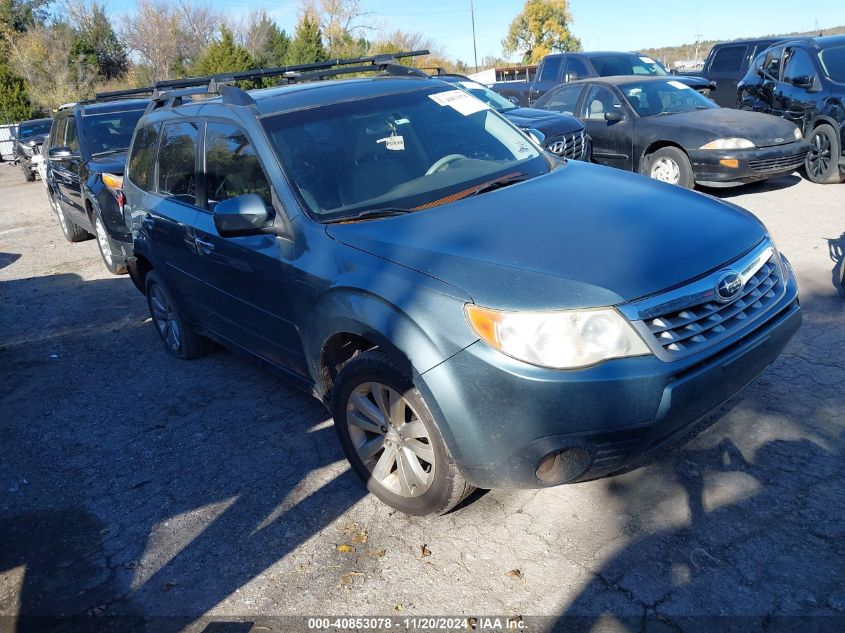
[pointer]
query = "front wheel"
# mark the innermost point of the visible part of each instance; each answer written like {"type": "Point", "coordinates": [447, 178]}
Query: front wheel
{"type": "Point", "coordinates": [670, 165]}
{"type": "Point", "coordinates": [822, 162]}
{"type": "Point", "coordinates": [72, 232]}
{"type": "Point", "coordinates": [114, 264]}
{"type": "Point", "coordinates": [391, 438]}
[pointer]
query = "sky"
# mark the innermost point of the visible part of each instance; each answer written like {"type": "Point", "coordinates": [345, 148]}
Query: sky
{"type": "Point", "coordinates": [600, 24]}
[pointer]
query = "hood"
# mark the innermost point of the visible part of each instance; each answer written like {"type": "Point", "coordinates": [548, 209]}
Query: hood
{"type": "Point", "coordinates": [699, 83]}
{"type": "Point", "coordinates": [581, 236]}
{"type": "Point", "coordinates": [764, 130]}
{"type": "Point", "coordinates": [114, 163]}
{"type": "Point", "coordinates": [549, 123]}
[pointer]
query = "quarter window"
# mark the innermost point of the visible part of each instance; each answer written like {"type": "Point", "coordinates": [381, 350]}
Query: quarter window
{"type": "Point", "coordinates": [771, 65]}
{"type": "Point", "coordinates": [231, 166]}
{"type": "Point", "coordinates": [728, 59]}
{"type": "Point", "coordinates": [551, 69]}
{"type": "Point", "coordinates": [177, 163]}
{"type": "Point", "coordinates": [798, 66]}
{"type": "Point", "coordinates": [142, 155]}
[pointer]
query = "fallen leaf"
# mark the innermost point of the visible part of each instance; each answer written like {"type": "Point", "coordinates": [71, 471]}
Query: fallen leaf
{"type": "Point", "coordinates": [349, 577]}
{"type": "Point", "coordinates": [378, 553]}
{"type": "Point", "coordinates": [424, 551]}
{"type": "Point", "coordinates": [345, 549]}
{"type": "Point", "coordinates": [360, 537]}
{"type": "Point", "coordinates": [399, 607]}
{"type": "Point", "coordinates": [515, 573]}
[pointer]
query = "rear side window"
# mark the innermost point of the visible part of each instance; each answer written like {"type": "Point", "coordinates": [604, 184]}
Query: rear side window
{"type": "Point", "coordinates": [142, 155]}
{"type": "Point", "coordinates": [576, 69]}
{"type": "Point", "coordinates": [177, 162]}
{"type": "Point", "coordinates": [563, 100]}
{"type": "Point", "coordinates": [833, 61]}
{"type": "Point", "coordinates": [551, 69]}
{"type": "Point", "coordinates": [728, 59]}
{"type": "Point", "coordinates": [231, 166]}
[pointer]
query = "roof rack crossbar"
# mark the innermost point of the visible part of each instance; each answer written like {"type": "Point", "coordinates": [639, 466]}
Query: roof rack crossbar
{"type": "Point", "coordinates": [117, 94]}
{"type": "Point", "coordinates": [390, 69]}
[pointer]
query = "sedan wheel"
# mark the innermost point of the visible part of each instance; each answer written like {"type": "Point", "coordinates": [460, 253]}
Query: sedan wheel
{"type": "Point", "coordinates": [390, 439]}
{"type": "Point", "coordinates": [666, 170]}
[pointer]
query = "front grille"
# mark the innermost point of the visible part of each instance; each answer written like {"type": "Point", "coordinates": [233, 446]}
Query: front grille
{"type": "Point", "coordinates": [764, 165]}
{"type": "Point", "coordinates": [572, 145]}
{"type": "Point", "coordinates": [690, 319]}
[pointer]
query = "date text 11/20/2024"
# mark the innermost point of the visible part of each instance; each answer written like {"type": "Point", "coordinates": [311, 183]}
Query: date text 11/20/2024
{"type": "Point", "coordinates": [481, 624]}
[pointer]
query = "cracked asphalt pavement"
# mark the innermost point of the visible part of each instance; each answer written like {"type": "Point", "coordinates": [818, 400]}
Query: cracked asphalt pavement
{"type": "Point", "coordinates": [136, 485]}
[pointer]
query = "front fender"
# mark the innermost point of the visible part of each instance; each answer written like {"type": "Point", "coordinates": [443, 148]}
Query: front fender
{"type": "Point", "coordinates": [104, 202]}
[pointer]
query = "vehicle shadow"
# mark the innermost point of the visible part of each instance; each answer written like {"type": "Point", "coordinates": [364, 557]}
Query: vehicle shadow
{"type": "Point", "coordinates": [8, 258]}
{"type": "Point", "coordinates": [836, 248]}
{"type": "Point", "coordinates": [772, 184]}
{"type": "Point", "coordinates": [140, 491]}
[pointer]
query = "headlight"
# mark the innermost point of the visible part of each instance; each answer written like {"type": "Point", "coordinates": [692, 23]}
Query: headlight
{"type": "Point", "coordinates": [567, 339]}
{"type": "Point", "coordinates": [798, 134]}
{"type": "Point", "coordinates": [729, 143]}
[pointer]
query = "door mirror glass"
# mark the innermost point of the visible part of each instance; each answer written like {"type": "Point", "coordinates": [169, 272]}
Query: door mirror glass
{"type": "Point", "coordinates": [614, 116]}
{"type": "Point", "coordinates": [59, 153]}
{"type": "Point", "coordinates": [240, 215]}
{"type": "Point", "coordinates": [804, 81]}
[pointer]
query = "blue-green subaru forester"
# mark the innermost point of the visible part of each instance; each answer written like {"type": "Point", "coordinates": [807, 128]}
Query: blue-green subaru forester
{"type": "Point", "coordinates": [473, 311]}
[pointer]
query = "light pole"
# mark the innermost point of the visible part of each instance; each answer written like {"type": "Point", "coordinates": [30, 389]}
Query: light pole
{"type": "Point", "coordinates": [474, 50]}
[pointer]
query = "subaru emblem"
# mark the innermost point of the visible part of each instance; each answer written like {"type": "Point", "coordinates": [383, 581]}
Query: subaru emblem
{"type": "Point", "coordinates": [729, 286]}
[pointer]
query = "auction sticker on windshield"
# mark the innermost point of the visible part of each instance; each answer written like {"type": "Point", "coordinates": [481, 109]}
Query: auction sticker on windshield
{"type": "Point", "coordinates": [460, 101]}
{"type": "Point", "coordinates": [678, 85]}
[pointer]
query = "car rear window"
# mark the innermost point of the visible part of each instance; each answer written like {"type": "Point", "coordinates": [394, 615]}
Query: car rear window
{"type": "Point", "coordinates": [833, 61]}
{"type": "Point", "coordinates": [728, 59]}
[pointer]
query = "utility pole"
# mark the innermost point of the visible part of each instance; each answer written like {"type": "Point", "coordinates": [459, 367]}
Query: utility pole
{"type": "Point", "coordinates": [697, 45]}
{"type": "Point", "coordinates": [474, 49]}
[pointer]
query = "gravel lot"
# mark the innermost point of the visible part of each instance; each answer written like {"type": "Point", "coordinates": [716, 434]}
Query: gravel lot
{"type": "Point", "coordinates": [133, 484]}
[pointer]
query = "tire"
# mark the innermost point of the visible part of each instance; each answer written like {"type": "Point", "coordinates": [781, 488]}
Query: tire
{"type": "Point", "coordinates": [429, 487]}
{"type": "Point", "coordinates": [28, 174]}
{"type": "Point", "coordinates": [72, 232]}
{"type": "Point", "coordinates": [115, 265]}
{"type": "Point", "coordinates": [670, 165]}
{"type": "Point", "coordinates": [822, 162]}
{"type": "Point", "coordinates": [178, 337]}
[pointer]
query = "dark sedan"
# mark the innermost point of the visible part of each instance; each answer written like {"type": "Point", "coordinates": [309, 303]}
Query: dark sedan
{"type": "Point", "coordinates": [564, 135]}
{"type": "Point", "coordinates": [662, 128]}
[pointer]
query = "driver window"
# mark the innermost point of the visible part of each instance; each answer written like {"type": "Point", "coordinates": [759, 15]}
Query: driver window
{"type": "Point", "coordinates": [771, 65]}
{"type": "Point", "coordinates": [71, 137]}
{"type": "Point", "coordinates": [798, 66]}
{"type": "Point", "coordinates": [564, 100]}
{"type": "Point", "coordinates": [231, 166]}
{"type": "Point", "coordinates": [601, 100]}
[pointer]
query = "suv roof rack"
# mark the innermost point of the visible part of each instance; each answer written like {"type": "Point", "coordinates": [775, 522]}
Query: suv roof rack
{"type": "Point", "coordinates": [171, 91]}
{"type": "Point", "coordinates": [120, 94]}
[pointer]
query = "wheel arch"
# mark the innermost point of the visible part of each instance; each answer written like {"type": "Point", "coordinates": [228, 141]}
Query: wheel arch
{"type": "Point", "coordinates": [652, 148]}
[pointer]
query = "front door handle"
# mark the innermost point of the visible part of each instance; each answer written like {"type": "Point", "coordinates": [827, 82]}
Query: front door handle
{"type": "Point", "coordinates": [203, 245]}
{"type": "Point", "coordinates": [148, 222]}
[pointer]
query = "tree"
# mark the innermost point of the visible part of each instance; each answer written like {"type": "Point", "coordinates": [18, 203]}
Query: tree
{"type": "Point", "coordinates": [264, 41]}
{"type": "Point", "coordinates": [343, 25]}
{"type": "Point", "coordinates": [541, 28]}
{"type": "Point", "coordinates": [223, 56]}
{"type": "Point", "coordinates": [96, 40]}
{"type": "Point", "coordinates": [22, 15]}
{"type": "Point", "coordinates": [14, 101]}
{"type": "Point", "coordinates": [307, 45]}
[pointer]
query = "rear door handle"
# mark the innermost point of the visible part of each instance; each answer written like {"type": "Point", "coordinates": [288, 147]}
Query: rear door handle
{"type": "Point", "coordinates": [203, 245]}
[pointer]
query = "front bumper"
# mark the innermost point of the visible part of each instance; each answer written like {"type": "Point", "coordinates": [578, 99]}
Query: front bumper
{"type": "Point", "coordinates": [752, 164]}
{"type": "Point", "coordinates": [500, 417]}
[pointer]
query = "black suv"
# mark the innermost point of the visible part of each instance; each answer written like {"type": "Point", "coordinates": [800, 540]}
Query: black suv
{"type": "Point", "coordinates": [728, 62]}
{"type": "Point", "coordinates": [85, 161]}
{"type": "Point", "coordinates": [30, 137]}
{"type": "Point", "coordinates": [803, 81]}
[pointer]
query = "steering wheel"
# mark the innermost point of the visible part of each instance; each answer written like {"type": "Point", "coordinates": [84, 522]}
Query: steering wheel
{"type": "Point", "coordinates": [446, 160]}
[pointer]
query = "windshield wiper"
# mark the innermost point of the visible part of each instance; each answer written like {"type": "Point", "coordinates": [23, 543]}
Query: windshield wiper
{"type": "Point", "coordinates": [369, 214]}
{"type": "Point", "coordinates": [109, 151]}
{"type": "Point", "coordinates": [498, 184]}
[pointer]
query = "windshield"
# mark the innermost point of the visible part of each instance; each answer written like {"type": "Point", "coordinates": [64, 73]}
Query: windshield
{"type": "Point", "coordinates": [655, 98]}
{"type": "Point", "coordinates": [833, 62]}
{"type": "Point", "coordinates": [34, 129]}
{"type": "Point", "coordinates": [110, 132]}
{"type": "Point", "coordinates": [407, 151]}
{"type": "Point", "coordinates": [627, 64]}
{"type": "Point", "coordinates": [485, 94]}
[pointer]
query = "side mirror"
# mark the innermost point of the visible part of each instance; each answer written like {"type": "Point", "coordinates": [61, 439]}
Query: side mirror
{"type": "Point", "coordinates": [614, 116]}
{"type": "Point", "coordinates": [537, 135]}
{"type": "Point", "coordinates": [805, 81]}
{"type": "Point", "coordinates": [240, 215]}
{"type": "Point", "coordinates": [59, 153]}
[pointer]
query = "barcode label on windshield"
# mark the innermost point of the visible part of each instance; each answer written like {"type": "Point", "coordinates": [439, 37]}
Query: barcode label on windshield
{"type": "Point", "coordinates": [459, 100]}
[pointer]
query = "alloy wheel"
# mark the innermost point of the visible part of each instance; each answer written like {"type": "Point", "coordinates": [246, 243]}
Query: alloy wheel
{"type": "Point", "coordinates": [165, 318]}
{"type": "Point", "coordinates": [60, 215]}
{"type": "Point", "coordinates": [103, 240]}
{"type": "Point", "coordinates": [666, 170]}
{"type": "Point", "coordinates": [391, 439]}
{"type": "Point", "coordinates": [818, 159]}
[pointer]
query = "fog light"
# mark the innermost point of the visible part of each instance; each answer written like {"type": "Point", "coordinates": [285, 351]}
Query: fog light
{"type": "Point", "coordinates": [562, 466]}
{"type": "Point", "coordinates": [729, 162]}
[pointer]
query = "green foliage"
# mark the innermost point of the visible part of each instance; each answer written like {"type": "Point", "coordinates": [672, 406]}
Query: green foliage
{"type": "Point", "coordinates": [14, 101]}
{"type": "Point", "coordinates": [542, 28]}
{"type": "Point", "coordinates": [223, 56]}
{"type": "Point", "coordinates": [97, 44]}
{"type": "Point", "coordinates": [307, 45]}
{"type": "Point", "coordinates": [22, 15]}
